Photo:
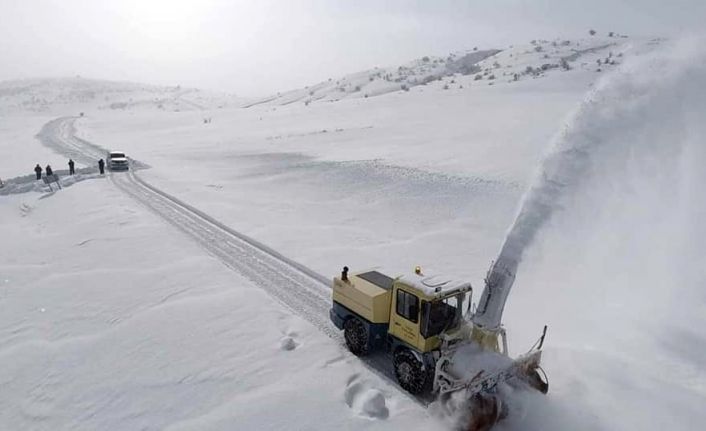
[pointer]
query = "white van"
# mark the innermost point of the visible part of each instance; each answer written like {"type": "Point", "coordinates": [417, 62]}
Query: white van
{"type": "Point", "coordinates": [117, 161]}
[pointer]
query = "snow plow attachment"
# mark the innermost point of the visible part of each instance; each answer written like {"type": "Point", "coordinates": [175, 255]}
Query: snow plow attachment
{"type": "Point", "coordinates": [477, 373]}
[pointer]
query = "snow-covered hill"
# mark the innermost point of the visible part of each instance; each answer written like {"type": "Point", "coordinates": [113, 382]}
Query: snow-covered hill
{"type": "Point", "coordinates": [467, 69]}
{"type": "Point", "coordinates": [458, 70]}
{"type": "Point", "coordinates": [58, 94]}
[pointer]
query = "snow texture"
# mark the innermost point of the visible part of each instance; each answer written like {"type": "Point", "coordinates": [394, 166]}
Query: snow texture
{"type": "Point", "coordinates": [123, 307]}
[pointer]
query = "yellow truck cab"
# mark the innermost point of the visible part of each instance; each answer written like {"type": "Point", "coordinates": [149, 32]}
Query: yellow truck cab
{"type": "Point", "coordinates": [405, 314]}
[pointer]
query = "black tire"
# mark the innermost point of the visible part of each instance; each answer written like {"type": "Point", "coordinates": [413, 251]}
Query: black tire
{"type": "Point", "coordinates": [410, 372]}
{"type": "Point", "coordinates": [356, 335]}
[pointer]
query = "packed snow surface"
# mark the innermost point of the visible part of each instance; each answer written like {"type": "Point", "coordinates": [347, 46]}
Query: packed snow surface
{"type": "Point", "coordinates": [118, 312]}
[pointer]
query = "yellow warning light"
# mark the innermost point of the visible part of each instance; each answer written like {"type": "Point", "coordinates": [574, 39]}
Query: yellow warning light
{"type": "Point", "coordinates": [418, 270]}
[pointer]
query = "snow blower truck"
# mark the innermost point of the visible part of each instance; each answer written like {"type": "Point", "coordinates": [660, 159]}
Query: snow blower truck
{"type": "Point", "coordinates": [435, 346]}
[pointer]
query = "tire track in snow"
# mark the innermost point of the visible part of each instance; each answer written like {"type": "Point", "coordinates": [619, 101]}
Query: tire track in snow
{"type": "Point", "coordinates": [304, 295]}
{"type": "Point", "coordinates": [298, 288]}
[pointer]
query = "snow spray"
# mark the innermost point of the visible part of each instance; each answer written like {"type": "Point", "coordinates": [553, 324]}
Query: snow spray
{"type": "Point", "coordinates": [623, 112]}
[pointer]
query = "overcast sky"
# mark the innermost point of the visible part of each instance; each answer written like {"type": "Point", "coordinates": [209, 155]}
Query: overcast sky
{"type": "Point", "coordinates": [263, 46]}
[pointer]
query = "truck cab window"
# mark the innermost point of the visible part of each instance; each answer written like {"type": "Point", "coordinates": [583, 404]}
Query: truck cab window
{"type": "Point", "coordinates": [439, 316]}
{"type": "Point", "coordinates": [407, 306]}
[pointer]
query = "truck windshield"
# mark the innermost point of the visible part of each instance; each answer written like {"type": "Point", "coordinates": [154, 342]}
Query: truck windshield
{"type": "Point", "coordinates": [438, 316]}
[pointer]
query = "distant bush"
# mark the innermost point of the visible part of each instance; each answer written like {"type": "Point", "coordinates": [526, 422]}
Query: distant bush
{"type": "Point", "coordinates": [478, 77]}
{"type": "Point", "coordinates": [491, 77]}
{"type": "Point", "coordinates": [446, 86]}
{"type": "Point", "coordinates": [565, 64]}
{"type": "Point", "coordinates": [529, 70]}
{"type": "Point", "coordinates": [404, 87]}
{"type": "Point", "coordinates": [592, 32]}
{"type": "Point", "coordinates": [516, 77]}
{"type": "Point", "coordinates": [611, 34]}
{"type": "Point", "coordinates": [428, 79]}
{"type": "Point", "coordinates": [357, 88]}
{"type": "Point", "coordinates": [425, 59]}
{"type": "Point", "coordinates": [538, 48]}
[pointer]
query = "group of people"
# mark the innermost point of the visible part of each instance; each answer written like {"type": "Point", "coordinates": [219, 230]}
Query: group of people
{"type": "Point", "coordinates": [49, 172]}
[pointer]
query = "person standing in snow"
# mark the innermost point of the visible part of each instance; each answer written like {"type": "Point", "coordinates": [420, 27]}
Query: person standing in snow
{"type": "Point", "coordinates": [48, 171]}
{"type": "Point", "coordinates": [101, 166]}
{"type": "Point", "coordinates": [38, 171]}
{"type": "Point", "coordinates": [71, 167]}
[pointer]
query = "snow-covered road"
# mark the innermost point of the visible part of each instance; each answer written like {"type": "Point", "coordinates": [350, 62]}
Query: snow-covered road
{"type": "Point", "coordinates": [297, 287]}
{"type": "Point", "coordinates": [300, 289]}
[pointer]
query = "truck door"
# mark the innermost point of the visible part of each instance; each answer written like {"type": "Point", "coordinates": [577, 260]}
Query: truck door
{"type": "Point", "coordinates": [405, 317]}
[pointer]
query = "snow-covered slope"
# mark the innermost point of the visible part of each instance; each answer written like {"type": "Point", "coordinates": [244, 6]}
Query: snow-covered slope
{"type": "Point", "coordinates": [466, 69]}
{"type": "Point", "coordinates": [60, 94]}
{"type": "Point", "coordinates": [431, 176]}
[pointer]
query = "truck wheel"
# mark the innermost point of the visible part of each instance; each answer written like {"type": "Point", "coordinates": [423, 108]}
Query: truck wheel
{"type": "Point", "coordinates": [356, 336]}
{"type": "Point", "coordinates": [410, 372]}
